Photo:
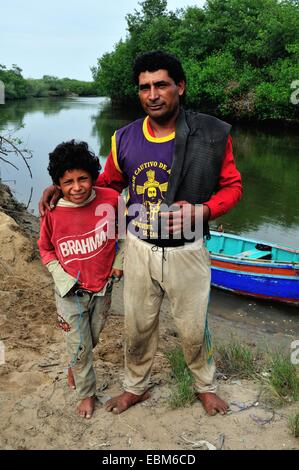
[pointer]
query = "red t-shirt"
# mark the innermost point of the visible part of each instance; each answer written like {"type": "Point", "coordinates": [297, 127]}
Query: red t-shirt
{"type": "Point", "coordinates": [82, 239]}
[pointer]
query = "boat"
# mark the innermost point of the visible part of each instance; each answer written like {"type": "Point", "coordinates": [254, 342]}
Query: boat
{"type": "Point", "coordinates": [254, 268]}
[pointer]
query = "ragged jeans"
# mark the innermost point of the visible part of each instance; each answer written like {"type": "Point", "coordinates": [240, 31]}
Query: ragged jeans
{"type": "Point", "coordinates": [82, 316]}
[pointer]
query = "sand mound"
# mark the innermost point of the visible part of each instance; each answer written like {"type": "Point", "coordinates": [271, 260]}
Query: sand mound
{"type": "Point", "coordinates": [26, 301]}
{"type": "Point", "coordinates": [16, 249]}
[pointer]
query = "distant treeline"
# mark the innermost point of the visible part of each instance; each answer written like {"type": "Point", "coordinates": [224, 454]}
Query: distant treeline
{"type": "Point", "coordinates": [241, 57]}
{"type": "Point", "coordinates": [17, 87]}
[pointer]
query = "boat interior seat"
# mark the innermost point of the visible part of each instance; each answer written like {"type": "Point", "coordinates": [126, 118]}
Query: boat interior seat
{"type": "Point", "coordinates": [254, 254]}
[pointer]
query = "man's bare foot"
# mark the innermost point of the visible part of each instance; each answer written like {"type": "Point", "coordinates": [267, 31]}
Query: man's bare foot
{"type": "Point", "coordinates": [86, 407]}
{"type": "Point", "coordinates": [70, 379]}
{"type": "Point", "coordinates": [124, 401]}
{"type": "Point", "coordinates": [212, 403]}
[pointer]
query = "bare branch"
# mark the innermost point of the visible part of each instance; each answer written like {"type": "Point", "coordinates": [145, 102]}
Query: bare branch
{"type": "Point", "coordinates": [7, 161]}
{"type": "Point", "coordinates": [30, 197]}
{"type": "Point", "coordinates": [17, 151]}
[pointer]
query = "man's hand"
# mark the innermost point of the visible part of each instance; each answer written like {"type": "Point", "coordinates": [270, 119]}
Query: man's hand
{"type": "Point", "coordinates": [175, 221]}
{"type": "Point", "coordinates": [116, 274]}
{"type": "Point", "coordinates": [49, 199]}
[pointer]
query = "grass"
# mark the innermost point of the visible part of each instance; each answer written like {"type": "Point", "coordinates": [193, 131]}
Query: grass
{"type": "Point", "coordinates": [294, 424]}
{"type": "Point", "coordinates": [278, 376]}
{"type": "Point", "coordinates": [183, 392]}
{"type": "Point", "coordinates": [237, 360]}
{"type": "Point", "coordinates": [282, 383]}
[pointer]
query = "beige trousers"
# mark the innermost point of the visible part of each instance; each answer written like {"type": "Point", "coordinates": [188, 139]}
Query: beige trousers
{"type": "Point", "coordinates": [83, 318]}
{"type": "Point", "coordinates": [182, 273]}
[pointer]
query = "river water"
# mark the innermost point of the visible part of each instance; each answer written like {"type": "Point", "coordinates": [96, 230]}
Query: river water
{"type": "Point", "coordinates": [268, 161]}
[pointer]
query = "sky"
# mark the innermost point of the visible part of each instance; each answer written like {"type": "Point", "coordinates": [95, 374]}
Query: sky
{"type": "Point", "coordinates": [64, 37]}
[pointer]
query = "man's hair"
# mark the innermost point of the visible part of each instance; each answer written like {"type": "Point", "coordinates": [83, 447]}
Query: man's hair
{"type": "Point", "coordinates": [72, 155]}
{"type": "Point", "coordinates": [157, 60]}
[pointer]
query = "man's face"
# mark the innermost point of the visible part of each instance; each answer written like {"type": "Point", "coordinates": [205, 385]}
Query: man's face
{"type": "Point", "coordinates": [159, 95]}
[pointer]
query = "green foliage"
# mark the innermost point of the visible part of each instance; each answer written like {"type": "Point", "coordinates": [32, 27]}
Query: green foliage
{"type": "Point", "coordinates": [212, 81]}
{"type": "Point", "coordinates": [53, 86]}
{"type": "Point", "coordinates": [183, 392]}
{"type": "Point", "coordinates": [254, 31]}
{"type": "Point", "coordinates": [240, 56]}
{"type": "Point", "coordinates": [17, 87]}
{"type": "Point", "coordinates": [284, 378]}
{"type": "Point", "coordinates": [148, 28]}
{"type": "Point", "coordinates": [238, 360]}
{"type": "Point", "coordinates": [15, 84]}
{"type": "Point", "coordinates": [37, 88]}
{"type": "Point", "coordinates": [187, 40]}
{"type": "Point", "coordinates": [273, 96]}
{"type": "Point", "coordinates": [113, 73]}
{"type": "Point", "coordinates": [150, 10]}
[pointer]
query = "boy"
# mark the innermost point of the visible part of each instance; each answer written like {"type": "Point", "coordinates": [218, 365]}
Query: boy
{"type": "Point", "coordinates": [77, 245]}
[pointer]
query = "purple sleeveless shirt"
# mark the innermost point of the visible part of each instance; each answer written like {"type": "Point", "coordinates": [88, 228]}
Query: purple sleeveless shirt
{"type": "Point", "coordinates": [146, 162]}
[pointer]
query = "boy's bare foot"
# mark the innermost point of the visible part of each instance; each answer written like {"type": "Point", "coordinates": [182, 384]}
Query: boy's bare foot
{"type": "Point", "coordinates": [124, 401]}
{"type": "Point", "coordinates": [70, 379]}
{"type": "Point", "coordinates": [212, 403]}
{"type": "Point", "coordinates": [86, 407]}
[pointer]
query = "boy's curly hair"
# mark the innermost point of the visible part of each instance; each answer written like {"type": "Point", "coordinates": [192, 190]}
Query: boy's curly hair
{"type": "Point", "coordinates": [72, 155]}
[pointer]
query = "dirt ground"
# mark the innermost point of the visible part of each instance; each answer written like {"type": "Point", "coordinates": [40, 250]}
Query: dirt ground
{"type": "Point", "coordinates": [37, 408]}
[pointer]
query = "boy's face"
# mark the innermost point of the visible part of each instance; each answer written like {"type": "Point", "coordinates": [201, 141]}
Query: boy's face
{"type": "Point", "coordinates": [76, 185]}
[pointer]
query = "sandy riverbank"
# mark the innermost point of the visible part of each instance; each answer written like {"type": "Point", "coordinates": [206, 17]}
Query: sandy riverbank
{"type": "Point", "coordinates": [37, 408]}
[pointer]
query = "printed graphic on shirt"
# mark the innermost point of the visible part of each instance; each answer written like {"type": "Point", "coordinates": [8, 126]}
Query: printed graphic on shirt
{"type": "Point", "coordinates": [150, 192]}
{"type": "Point", "coordinates": [83, 247]}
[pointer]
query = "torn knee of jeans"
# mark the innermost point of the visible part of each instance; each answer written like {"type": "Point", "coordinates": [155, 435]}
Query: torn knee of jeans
{"type": "Point", "coordinates": [64, 325]}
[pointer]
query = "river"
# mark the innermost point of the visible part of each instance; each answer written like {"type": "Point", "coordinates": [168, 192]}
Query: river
{"type": "Point", "coordinates": [268, 161]}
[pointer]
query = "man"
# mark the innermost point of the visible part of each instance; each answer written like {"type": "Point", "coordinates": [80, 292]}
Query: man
{"type": "Point", "coordinates": [177, 158]}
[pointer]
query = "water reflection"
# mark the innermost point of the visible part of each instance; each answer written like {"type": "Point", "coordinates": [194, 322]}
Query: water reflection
{"type": "Point", "coordinates": [268, 161]}
{"type": "Point", "coordinates": [269, 164]}
{"type": "Point", "coordinates": [13, 113]}
{"type": "Point", "coordinates": [42, 124]}
{"type": "Point", "coordinates": [107, 121]}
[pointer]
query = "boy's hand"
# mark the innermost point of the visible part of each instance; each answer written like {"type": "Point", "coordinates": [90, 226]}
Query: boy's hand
{"type": "Point", "coordinates": [49, 199]}
{"type": "Point", "coordinates": [116, 274]}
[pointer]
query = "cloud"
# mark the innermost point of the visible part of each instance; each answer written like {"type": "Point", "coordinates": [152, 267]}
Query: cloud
{"type": "Point", "coordinates": [63, 37]}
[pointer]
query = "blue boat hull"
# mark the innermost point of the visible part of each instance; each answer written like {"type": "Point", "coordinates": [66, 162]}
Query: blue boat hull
{"type": "Point", "coordinates": [271, 288]}
{"type": "Point", "coordinates": [254, 268]}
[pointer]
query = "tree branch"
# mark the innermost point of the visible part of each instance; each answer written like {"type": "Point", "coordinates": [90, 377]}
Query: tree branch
{"type": "Point", "coordinates": [7, 161]}
{"type": "Point", "coordinates": [18, 152]}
